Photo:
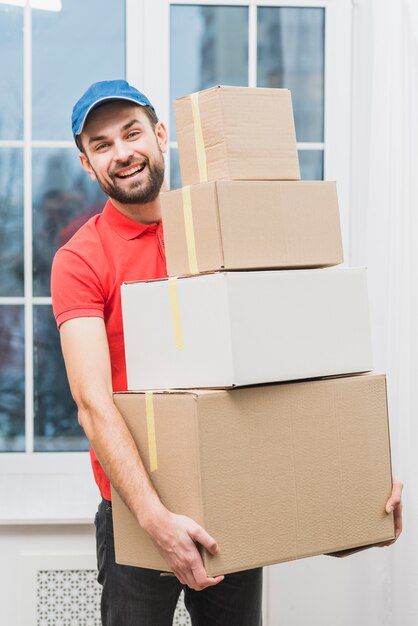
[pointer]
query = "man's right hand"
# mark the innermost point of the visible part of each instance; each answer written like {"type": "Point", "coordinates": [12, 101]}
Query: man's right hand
{"type": "Point", "coordinates": [176, 537]}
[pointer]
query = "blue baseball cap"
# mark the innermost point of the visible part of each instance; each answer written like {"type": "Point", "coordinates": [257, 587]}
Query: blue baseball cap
{"type": "Point", "coordinates": [103, 91]}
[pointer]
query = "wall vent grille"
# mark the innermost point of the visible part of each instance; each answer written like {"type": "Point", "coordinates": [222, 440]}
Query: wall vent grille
{"type": "Point", "coordinates": [68, 598]}
{"type": "Point", "coordinates": [72, 598]}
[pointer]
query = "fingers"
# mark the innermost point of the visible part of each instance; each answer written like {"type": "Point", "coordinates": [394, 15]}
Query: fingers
{"type": "Point", "coordinates": [192, 572]}
{"type": "Point", "coordinates": [209, 582]}
{"type": "Point", "coordinates": [394, 505]}
{"type": "Point", "coordinates": [201, 578]}
{"type": "Point", "coordinates": [396, 496]}
{"type": "Point", "coordinates": [200, 535]}
{"type": "Point", "coordinates": [195, 576]}
{"type": "Point", "coordinates": [178, 546]}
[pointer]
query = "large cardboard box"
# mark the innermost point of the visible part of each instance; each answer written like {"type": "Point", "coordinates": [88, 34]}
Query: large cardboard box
{"type": "Point", "coordinates": [236, 133]}
{"type": "Point", "coordinates": [243, 328]}
{"type": "Point", "coordinates": [274, 473]}
{"type": "Point", "coordinates": [251, 225]}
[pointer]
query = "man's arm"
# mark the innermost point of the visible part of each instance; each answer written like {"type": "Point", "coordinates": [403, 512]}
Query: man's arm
{"type": "Point", "coordinates": [86, 355]}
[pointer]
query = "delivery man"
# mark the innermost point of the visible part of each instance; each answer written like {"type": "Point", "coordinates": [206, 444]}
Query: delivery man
{"type": "Point", "coordinates": [121, 143]}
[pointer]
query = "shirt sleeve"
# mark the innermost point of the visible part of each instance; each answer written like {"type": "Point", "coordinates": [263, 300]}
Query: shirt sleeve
{"type": "Point", "coordinates": [75, 288]}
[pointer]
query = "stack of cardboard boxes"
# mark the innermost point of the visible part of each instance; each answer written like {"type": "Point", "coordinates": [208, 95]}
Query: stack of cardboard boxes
{"type": "Point", "coordinates": [274, 471]}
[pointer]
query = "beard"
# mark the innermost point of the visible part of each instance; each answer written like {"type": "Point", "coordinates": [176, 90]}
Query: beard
{"type": "Point", "coordinates": [139, 192]}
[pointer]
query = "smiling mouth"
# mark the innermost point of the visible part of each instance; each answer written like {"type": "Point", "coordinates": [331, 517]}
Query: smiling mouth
{"type": "Point", "coordinates": [131, 171]}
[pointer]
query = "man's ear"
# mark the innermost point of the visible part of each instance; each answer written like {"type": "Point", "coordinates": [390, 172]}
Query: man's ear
{"type": "Point", "coordinates": [85, 164]}
{"type": "Point", "coordinates": [162, 136]}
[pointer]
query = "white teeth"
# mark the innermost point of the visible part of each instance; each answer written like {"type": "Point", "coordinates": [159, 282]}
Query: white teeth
{"type": "Point", "coordinates": [133, 170]}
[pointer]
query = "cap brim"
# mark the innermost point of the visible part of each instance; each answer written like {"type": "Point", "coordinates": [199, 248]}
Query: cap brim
{"type": "Point", "coordinates": [106, 99]}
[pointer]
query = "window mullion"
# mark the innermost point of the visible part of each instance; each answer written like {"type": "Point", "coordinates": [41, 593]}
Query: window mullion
{"type": "Point", "coordinates": [27, 212]}
{"type": "Point", "coordinates": [252, 45]}
{"type": "Point", "coordinates": [311, 145]}
{"type": "Point", "coordinates": [135, 27]}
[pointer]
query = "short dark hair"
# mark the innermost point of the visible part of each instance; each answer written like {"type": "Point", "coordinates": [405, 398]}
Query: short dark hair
{"type": "Point", "coordinates": [149, 112]}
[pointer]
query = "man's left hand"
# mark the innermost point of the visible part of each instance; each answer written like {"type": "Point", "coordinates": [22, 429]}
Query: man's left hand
{"type": "Point", "coordinates": [394, 505]}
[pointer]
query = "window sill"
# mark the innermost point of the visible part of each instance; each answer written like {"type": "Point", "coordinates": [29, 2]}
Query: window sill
{"type": "Point", "coordinates": [47, 488]}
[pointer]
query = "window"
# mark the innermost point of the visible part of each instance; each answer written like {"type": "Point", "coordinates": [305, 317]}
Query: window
{"type": "Point", "coordinates": [288, 50]}
{"type": "Point", "coordinates": [44, 197]}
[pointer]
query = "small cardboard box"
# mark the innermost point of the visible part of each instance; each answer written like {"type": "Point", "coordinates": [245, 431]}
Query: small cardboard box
{"type": "Point", "coordinates": [244, 328]}
{"type": "Point", "coordinates": [273, 473]}
{"type": "Point", "coordinates": [251, 225]}
{"type": "Point", "coordinates": [236, 133]}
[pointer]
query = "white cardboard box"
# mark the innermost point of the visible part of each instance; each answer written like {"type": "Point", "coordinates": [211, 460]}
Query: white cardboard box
{"type": "Point", "coordinates": [242, 328]}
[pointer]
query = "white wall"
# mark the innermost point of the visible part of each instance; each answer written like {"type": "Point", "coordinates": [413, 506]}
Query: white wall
{"type": "Point", "coordinates": [25, 550]}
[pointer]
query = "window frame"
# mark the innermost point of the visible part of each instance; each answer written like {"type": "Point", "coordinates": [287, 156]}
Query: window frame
{"type": "Point", "coordinates": [148, 66]}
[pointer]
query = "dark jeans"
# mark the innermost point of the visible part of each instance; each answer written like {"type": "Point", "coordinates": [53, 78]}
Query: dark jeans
{"type": "Point", "coordinates": [134, 596]}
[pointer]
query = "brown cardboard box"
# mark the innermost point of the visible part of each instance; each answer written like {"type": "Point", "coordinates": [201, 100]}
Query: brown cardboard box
{"type": "Point", "coordinates": [274, 473]}
{"type": "Point", "coordinates": [251, 224]}
{"type": "Point", "coordinates": [236, 133]}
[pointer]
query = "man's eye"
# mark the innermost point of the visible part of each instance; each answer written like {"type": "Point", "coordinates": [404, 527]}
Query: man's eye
{"type": "Point", "coordinates": [133, 133]}
{"type": "Point", "coordinates": [101, 146]}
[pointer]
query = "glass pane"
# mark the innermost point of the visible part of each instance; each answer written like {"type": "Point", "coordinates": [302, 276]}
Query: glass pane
{"type": "Point", "coordinates": [72, 48]}
{"type": "Point", "coordinates": [175, 177]}
{"type": "Point", "coordinates": [209, 46]}
{"type": "Point", "coordinates": [11, 222]}
{"type": "Point", "coordinates": [12, 379]}
{"type": "Point", "coordinates": [311, 164]}
{"type": "Point", "coordinates": [64, 197]}
{"type": "Point", "coordinates": [56, 425]}
{"type": "Point", "coordinates": [11, 72]}
{"type": "Point", "coordinates": [290, 53]}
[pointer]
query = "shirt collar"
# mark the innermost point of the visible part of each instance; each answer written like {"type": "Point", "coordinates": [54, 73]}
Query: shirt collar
{"type": "Point", "coordinates": [125, 226]}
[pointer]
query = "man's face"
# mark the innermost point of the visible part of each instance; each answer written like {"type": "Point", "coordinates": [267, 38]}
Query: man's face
{"type": "Point", "coordinates": [124, 152]}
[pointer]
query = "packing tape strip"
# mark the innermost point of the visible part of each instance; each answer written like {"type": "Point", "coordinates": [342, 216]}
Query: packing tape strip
{"type": "Point", "coordinates": [189, 228]}
{"type": "Point", "coordinates": [152, 441]}
{"type": "Point", "coordinates": [198, 136]}
{"type": "Point", "coordinates": [175, 313]}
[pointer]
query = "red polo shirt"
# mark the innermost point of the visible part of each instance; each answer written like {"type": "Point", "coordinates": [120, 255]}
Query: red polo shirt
{"type": "Point", "coordinates": [87, 273]}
